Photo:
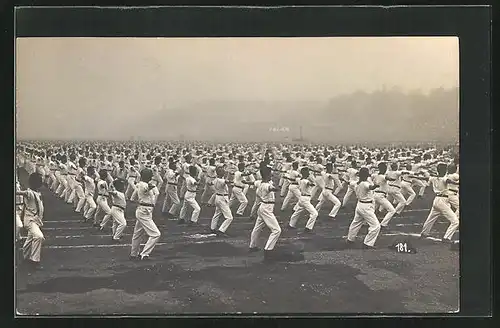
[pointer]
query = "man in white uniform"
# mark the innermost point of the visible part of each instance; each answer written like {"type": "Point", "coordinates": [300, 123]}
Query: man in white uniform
{"type": "Point", "coordinates": [441, 205]}
{"type": "Point", "coordinates": [144, 226]}
{"type": "Point", "coordinates": [365, 211]}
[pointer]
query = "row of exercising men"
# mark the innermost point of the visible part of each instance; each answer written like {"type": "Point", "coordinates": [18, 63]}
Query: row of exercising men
{"type": "Point", "coordinates": [305, 182]}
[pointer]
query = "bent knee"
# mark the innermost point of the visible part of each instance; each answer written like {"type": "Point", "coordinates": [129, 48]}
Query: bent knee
{"type": "Point", "coordinates": [38, 237]}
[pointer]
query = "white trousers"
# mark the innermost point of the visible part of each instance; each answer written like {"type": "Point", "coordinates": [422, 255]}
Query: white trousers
{"type": "Point", "coordinates": [255, 207]}
{"type": "Point", "coordinates": [420, 185]}
{"type": "Point", "coordinates": [33, 245]}
{"type": "Point", "coordinates": [265, 217]}
{"type": "Point", "coordinates": [284, 187]}
{"type": "Point", "coordinates": [382, 203]}
{"type": "Point", "coordinates": [348, 195]}
{"type": "Point", "coordinates": [293, 192]}
{"type": "Point", "coordinates": [208, 191]}
{"type": "Point", "coordinates": [454, 200]}
{"type": "Point", "coordinates": [364, 213]}
{"type": "Point", "coordinates": [327, 195]}
{"type": "Point", "coordinates": [62, 186]}
{"type": "Point", "coordinates": [69, 188]}
{"type": "Point", "coordinates": [338, 183]}
{"type": "Point", "coordinates": [303, 205]}
{"type": "Point", "coordinates": [221, 208]}
{"type": "Point", "coordinates": [19, 224]}
{"type": "Point", "coordinates": [119, 222]}
{"type": "Point", "coordinates": [238, 195]}
{"type": "Point", "coordinates": [317, 189]}
{"type": "Point", "coordinates": [441, 207]}
{"type": "Point", "coordinates": [80, 197]}
{"type": "Point", "coordinates": [130, 188]}
{"type": "Point", "coordinates": [102, 209]}
{"type": "Point", "coordinates": [171, 199]}
{"type": "Point", "coordinates": [144, 226]}
{"type": "Point", "coordinates": [89, 207]}
{"type": "Point", "coordinates": [394, 194]}
{"type": "Point", "coordinates": [56, 182]}
{"type": "Point", "coordinates": [190, 199]}
{"type": "Point", "coordinates": [407, 191]}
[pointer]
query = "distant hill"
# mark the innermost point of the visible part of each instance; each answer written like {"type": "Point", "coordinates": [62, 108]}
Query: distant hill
{"type": "Point", "coordinates": [382, 116]}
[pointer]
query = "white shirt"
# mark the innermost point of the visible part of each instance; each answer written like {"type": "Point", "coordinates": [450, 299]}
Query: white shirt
{"type": "Point", "coordinates": [439, 185]}
{"type": "Point", "coordinates": [238, 179]}
{"type": "Point", "coordinates": [89, 186]}
{"type": "Point", "coordinates": [191, 184]}
{"type": "Point", "coordinates": [351, 174]}
{"type": "Point", "coordinates": [171, 177]}
{"type": "Point", "coordinates": [33, 206]}
{"type": "Point", "coordinates": [329, 181]}
{"type": "Point", "coordinates": [102, 188]}
{"type": "Point", "coordinates": [121, 173]}
{"type": "Point", "coordinates": [393, 178]}
{"type": "Point", "coordinates": [379, 179]}
{"type": "Point", "coordinates": [363, 192]}
{"type": "Point", "coordinates": [118, 199]}
{"type": "Point", "coordinates": [305, 187]}
{"type": "Point", "coordinates": [220, 186]}
{"type": "Point", "coordinates": [454, 185]}
{"type": "Point", "coordinates": [144, 194]}
{"type": "Point", "coordinates": [264, 192]}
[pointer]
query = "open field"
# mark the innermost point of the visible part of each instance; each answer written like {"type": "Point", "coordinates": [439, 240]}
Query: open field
{"type": "Point", "coordinates": [84, 273]}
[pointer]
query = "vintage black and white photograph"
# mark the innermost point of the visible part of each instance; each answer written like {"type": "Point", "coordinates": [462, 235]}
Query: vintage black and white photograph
{"type": "Point", "coordinates": [235, 175]}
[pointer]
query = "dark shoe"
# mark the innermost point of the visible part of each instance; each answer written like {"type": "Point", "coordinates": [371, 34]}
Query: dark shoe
{"type": "Point", "coordinates": [213, 231]}
{"type": "Point", "coordinates": [115, 241]}
{"type": "Point", "coordinates": [135, 258]}
{"type": "Point", "coordinates": [96, 225]}
{"type": "Point", "coordinates": [350, 243]}
{"type": "Point", "coordinates": [144, 258]}
{"type": "Point", "coordinates": [446, 241]}
{"type": "Point", "coordinates": [238, 215]}
{"type": "Point", "coordinates": [308, 231]}
{"type": "Point", "coordinates": [221, 234]}
{"type": "Point", "coordinates": [365, 246]}
{"type": "Point", "coordinates": [192, 223]}
{"type": "Point", "coordinates": [423, 236]}
{"type": "Point", "coordinates": [181, 221]}
{"type": "Point", "coordinates": [384, 228]}
{"type": "Point", "coordinates": [291, 228]}
{"type": "Point", "coordinates": [253, 249]}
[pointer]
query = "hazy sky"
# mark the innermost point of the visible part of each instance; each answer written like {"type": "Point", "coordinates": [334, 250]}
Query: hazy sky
{"type": "Point", "coordinates": [75, 80]}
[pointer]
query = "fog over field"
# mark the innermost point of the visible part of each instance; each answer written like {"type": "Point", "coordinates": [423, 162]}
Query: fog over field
{"type": "Point", "coordinates": [239, 89]}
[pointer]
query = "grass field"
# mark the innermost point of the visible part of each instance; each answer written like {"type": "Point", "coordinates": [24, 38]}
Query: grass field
{"type": "Point", "coordinates": [84, 273]}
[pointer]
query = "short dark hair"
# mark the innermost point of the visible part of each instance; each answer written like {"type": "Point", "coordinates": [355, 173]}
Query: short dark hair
{"type": "Point", "coordinates": [35, 181]}
{"type": "Point", "coordinates": [119, 184]}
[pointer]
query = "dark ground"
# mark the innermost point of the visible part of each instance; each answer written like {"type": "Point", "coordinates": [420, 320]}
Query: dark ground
{"type": "Point", "coordinates": [83, 273]}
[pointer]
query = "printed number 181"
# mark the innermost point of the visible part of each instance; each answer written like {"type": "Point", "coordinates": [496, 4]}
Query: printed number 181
{"type": "Point", "coordinates": [402, 248]}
